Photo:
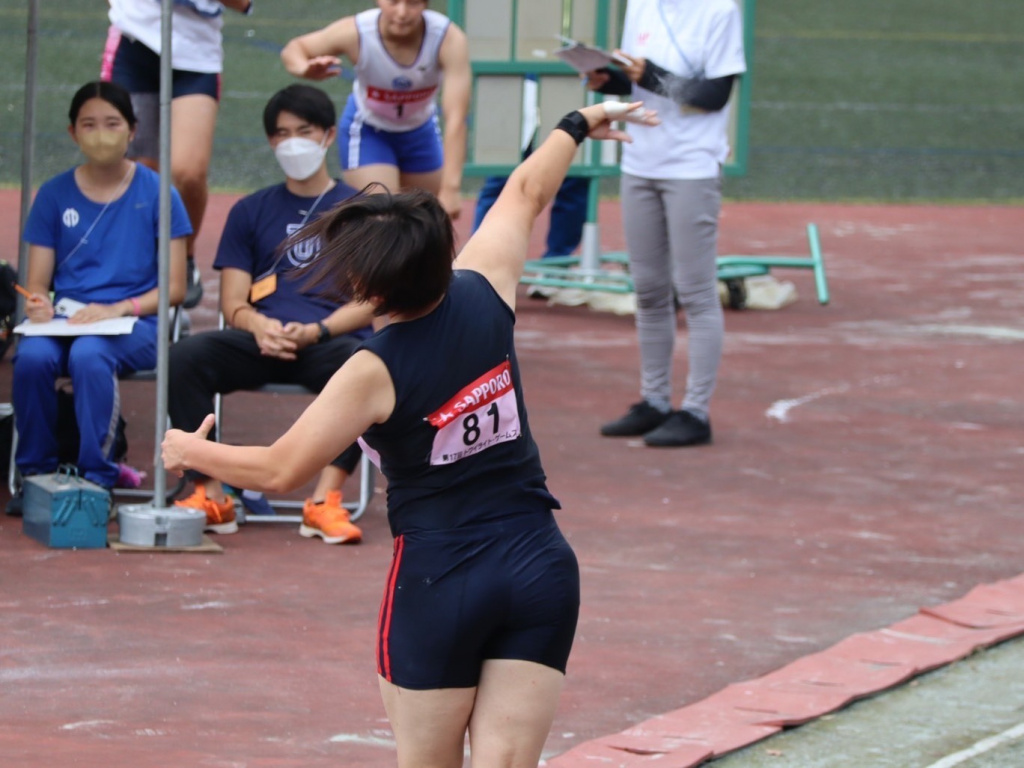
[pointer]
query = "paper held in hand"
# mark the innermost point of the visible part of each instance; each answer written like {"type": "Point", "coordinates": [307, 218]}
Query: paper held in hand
{"type": "Point", "coordinates": [584, 58]}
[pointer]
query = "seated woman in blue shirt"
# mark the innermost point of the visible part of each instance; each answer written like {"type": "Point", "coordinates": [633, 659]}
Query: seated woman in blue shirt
{"type": "Point", "coordinates": [92, 234]}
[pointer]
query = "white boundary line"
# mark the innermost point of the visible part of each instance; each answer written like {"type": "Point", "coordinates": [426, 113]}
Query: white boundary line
{"type": "Point", "coordinates": [981, 747]}
{"type": "Point", "coordinates": [779, 410]}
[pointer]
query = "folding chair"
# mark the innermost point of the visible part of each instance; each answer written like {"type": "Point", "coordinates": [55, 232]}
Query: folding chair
{"type": "Point", "coordinates": [366, 474]}
{"type": "Point", "coordinates": [355, 508]}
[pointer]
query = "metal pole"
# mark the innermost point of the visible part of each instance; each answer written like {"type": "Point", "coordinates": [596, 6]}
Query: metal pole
{"type": "Point", "coordinates": [28, 145]}
{"type": "Point", "coordinates": [566, 18]}
{"type": "Point", "coordinates": [163, 252]}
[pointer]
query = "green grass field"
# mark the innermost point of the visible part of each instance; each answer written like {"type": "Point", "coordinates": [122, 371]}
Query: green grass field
{"type": "Point", "coordinates": [870, 100]}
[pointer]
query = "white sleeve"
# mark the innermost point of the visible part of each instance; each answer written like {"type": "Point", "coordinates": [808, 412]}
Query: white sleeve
{"type": "Point", "coordinates": [725, 48]}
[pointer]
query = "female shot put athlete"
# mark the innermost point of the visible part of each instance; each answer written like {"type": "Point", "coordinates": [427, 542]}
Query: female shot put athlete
{"type": "Point", "coordinates": [482, 597]}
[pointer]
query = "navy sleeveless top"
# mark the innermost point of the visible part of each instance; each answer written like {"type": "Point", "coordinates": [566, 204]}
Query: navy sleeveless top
{"type": "Point", "coordinates": [457, 448]}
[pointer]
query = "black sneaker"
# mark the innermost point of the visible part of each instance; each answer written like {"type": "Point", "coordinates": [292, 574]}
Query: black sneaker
{"type": "Point", "coordinates": [193, 284]}
{"type": "Point", "coordinates": [641, 419]}
{"type": "Point", "coordinates": [14, 506]}
{"type": "Point", "coordinates": [681, 428]}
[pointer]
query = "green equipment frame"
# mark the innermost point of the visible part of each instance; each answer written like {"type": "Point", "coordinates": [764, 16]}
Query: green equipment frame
{"type": "Point", "coordinates": [511, 43]}
{"type": "Point", "coordinates": [555, 272]}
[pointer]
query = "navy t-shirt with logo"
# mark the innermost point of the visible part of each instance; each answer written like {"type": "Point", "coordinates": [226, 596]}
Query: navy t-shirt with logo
{"type": "Point", "coordinates": [256, 227]}
{"type": "Point", "coordinates": [457, 449]}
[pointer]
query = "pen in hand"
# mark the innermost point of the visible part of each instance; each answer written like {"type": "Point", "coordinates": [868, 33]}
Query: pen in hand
{"type": "Point", "coordinates": [37, 308]}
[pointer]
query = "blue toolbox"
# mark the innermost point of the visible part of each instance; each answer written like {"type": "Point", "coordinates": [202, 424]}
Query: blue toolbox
{"type": "Point", "coordinates": [63, 510]}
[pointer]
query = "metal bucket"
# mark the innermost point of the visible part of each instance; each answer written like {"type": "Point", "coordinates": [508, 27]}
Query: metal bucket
{"type": "Point", "coordinates": [145, 526]}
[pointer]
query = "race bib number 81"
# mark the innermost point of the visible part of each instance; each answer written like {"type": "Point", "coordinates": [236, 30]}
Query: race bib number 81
{"type": "Point", "coordinates": [480, 416]}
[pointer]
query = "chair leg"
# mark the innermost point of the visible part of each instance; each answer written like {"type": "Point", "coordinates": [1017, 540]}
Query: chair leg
{"type": "Point", "coordinates": [365, 489]}
{"type": "Point", "coordinates": [13, 481]}
{"type": "Point", "coordinates": [355, 508]}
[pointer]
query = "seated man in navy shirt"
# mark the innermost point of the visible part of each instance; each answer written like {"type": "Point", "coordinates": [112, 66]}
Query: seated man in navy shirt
{"type": "Point", "coordinates": [279, 328]}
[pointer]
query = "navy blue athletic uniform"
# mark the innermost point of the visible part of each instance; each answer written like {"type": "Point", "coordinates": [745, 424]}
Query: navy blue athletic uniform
{"type": "Point", "coordinates": [480, 569]}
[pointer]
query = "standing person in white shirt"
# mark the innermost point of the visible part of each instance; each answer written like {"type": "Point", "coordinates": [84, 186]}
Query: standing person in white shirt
{"type": "Point", "coordinates": [131, 58]}
{"type": "Point", "coordinates": [684, 56]}
{"type": "Point", "coordinates": [389, 132]}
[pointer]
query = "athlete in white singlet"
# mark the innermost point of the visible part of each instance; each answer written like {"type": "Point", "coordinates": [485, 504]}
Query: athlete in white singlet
{"type": "Point", "coordinates": [389, 131]}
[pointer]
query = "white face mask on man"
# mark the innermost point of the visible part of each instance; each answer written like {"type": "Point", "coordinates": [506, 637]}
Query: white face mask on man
{"type": "Point", "coordinates": [299, 157]}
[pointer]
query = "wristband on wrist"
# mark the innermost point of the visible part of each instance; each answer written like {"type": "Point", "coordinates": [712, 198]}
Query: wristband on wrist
{"type": "Point", "coordinates": [136, 307]}
{"type": "Point", "coordinates": [324, 333]}
{"type": "Point", "coordinates": [576, 125]}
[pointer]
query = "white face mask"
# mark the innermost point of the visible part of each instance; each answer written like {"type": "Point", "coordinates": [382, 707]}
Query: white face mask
{"type": "Point", "coordinates": [300, 158]}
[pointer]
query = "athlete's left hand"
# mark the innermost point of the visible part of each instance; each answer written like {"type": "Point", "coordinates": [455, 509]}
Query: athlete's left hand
{"type": "Point", "coordinates": [601, 116]}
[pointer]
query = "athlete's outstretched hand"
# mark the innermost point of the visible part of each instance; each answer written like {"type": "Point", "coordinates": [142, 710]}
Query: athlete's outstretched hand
{"type": "Point", "coordinates": [600, 118]}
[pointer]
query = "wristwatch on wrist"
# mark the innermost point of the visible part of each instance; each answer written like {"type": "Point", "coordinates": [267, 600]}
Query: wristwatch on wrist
{"type": "Point", "coordinates": [325, 333]}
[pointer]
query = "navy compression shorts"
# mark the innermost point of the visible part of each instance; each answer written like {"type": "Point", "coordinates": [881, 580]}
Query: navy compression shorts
{"type": "Point", "coordinates": [508, 589]}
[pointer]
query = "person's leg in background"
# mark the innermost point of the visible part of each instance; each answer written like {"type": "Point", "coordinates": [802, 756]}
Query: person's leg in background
{"type": "Point", "coordinates": [323, 513]}
{"type": "Point", "coordinates": [193, 122]}
{"type": "Point", "coordinates": [194, 104]}
{"type": "Point", "coordinates": [568, 215]}
{"type": "Point", "coordinates": [646, 231]}
{"type": "Point", "coordinates": [199, 367]}
{"type": "Point", "coordinates": [486, 197]}
{"type": "Point", "coordinates": [39, 361]}
{"type": "Point", "coordinates": [94, 365]}
{"type": "Point", "coordinates": [365, 154]}
{"type": "Point", "coordinates": [694, 206]}
{"type": "Point", "coordinates": [419, 155]}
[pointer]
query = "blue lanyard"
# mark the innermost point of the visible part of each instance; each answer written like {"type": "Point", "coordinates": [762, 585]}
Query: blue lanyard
{"type": "Point", "coordinates": [675, 43]}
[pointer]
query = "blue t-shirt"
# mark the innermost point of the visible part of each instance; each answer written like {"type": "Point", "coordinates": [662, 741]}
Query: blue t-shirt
{"type": "Point", "coordinates": [457, 449]}
{"type": "Point", "coordinates": [256, 227]}
{"type": "Point", "coordinates": [102, 253]}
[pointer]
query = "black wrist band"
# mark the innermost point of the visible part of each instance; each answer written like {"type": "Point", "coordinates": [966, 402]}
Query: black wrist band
{"type": "Point", "coordinates": [576, 125]}
{"type": "Point", "coordinates": [651, 79]}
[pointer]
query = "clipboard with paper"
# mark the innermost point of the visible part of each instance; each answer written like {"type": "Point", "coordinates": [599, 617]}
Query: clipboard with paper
{"type": "Point", "coordinates": [585, 58]}
{"type": "Point", "coordinates": [59, 325]}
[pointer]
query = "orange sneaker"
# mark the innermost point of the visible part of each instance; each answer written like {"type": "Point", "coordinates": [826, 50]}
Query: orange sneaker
{"type": "Point", "coordinates": [220, 515]}
{"type": "Point", "coordinates": [329, 520]}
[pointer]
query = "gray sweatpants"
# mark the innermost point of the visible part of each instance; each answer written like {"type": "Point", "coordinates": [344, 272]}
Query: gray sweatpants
{"type": "Point", "coordinates": [671, 228]}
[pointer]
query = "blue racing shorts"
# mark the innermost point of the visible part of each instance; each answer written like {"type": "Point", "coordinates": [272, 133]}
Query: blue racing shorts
{"type": "Point", "coordinates": [417, 151]}
{"type": "Point", "coordinates": [507, 589]}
